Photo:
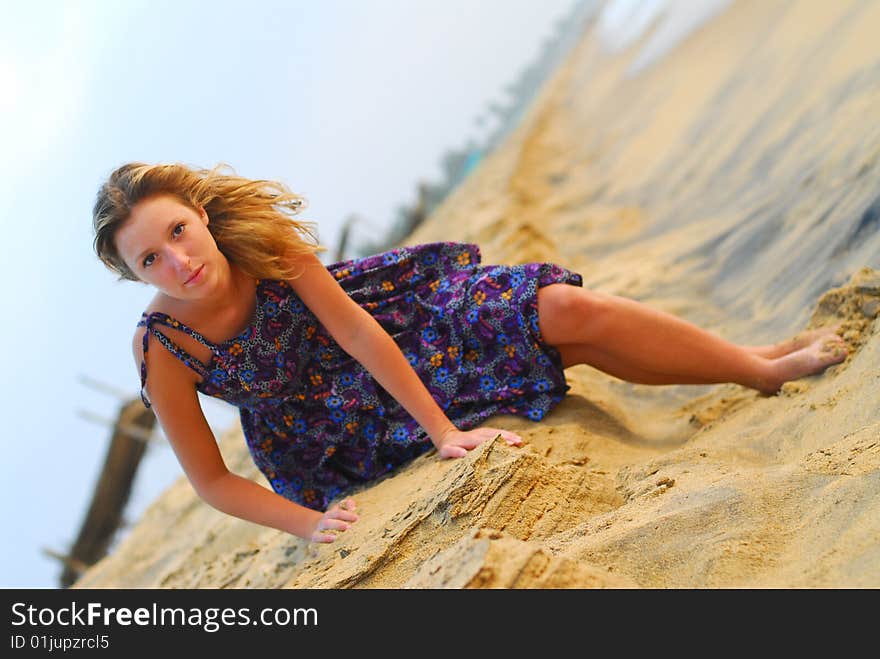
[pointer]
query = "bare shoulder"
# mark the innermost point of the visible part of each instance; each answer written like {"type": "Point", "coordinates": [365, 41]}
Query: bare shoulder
{"type": "Point", "coordinates": [303, 263]}
{"type": "Point", "coordinates": [312, 276]}
{"type": "Point", "coordinates": [325, 298]}
{"type": "Point", "coordinates": [157, 305]}
{"type": "Point", "coordinates": [159, 362]}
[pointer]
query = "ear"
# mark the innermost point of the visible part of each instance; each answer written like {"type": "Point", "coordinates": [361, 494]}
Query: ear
{"type": "Point", "coordinates": [203, 215]}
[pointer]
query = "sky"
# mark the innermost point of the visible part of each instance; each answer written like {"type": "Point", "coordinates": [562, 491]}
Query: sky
{"type": "Point", "coordinates": [349, 102]}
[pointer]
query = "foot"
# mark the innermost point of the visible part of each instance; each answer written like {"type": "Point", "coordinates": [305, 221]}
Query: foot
{"type": "Point", "coordinates": [826, 350]}
{"type": "Point", "coordinates": [797, 342]}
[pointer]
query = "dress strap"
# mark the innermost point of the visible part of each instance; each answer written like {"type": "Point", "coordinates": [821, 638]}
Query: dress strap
{"type": "Point", "coordinates": [147, 320]}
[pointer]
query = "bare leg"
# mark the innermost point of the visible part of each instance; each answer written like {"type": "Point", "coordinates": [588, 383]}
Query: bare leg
{"type": "Point", "coordinates": [575, 353]}
{"type": "Point", "coordinates": [800, 340]}
{"type": "Point", "coordinates": [643, 340]}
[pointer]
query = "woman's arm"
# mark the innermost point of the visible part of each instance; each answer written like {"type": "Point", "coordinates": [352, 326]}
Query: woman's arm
{"type": "Point", "coordinates": [361, 336]}
{"type": "Point", "coordinates": [172, 393]}
{"type": "Point", "coordinates": [242, 498]}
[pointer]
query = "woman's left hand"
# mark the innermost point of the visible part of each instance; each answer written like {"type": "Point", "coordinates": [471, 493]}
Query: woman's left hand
{"type": "Point", "coordinates": [456, 443]}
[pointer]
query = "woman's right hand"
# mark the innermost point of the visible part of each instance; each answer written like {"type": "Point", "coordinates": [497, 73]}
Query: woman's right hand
{"type": "Point", "coordinates": [337, 519]}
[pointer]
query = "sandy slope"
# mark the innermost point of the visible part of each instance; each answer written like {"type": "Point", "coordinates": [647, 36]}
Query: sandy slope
{"type": "Point", "coordinates": [735, 183]}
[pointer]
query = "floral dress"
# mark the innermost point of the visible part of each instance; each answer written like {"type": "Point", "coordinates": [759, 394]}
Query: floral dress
{"type": "Point", "coordinates": [315, 420]}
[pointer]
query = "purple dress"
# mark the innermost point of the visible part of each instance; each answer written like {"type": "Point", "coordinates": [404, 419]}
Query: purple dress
{"type": "Point", "coordinates": [317, 423]}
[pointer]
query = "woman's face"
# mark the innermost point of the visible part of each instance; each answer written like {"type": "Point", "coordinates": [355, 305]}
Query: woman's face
{"type": "Point", "coordinates": [167, 244]}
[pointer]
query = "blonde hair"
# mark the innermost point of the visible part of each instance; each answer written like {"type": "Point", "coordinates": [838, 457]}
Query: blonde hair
{"type": "Point", "coordinates": [251, 220]}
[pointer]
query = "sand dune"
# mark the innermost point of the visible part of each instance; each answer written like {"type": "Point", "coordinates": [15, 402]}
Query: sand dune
{"type": "Point", "coordinates": [734, 182]}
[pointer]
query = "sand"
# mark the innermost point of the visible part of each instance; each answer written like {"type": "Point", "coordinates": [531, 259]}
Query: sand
{"type": "Point", "coordinates": [734, 182]}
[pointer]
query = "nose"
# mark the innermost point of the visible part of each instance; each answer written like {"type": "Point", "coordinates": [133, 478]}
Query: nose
{"type": "Point", "coordinates": [180, 260]}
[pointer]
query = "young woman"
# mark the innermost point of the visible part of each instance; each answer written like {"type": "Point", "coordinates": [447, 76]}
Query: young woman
{"type": "Point", "coordinates": [344, 372]}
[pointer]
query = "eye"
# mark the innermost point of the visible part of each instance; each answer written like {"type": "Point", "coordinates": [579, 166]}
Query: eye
{"type": "Point", "coordinates": [175, 232]}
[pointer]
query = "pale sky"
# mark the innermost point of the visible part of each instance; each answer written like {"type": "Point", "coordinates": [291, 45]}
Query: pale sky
{"type": "Point", "coordinates": [350, 102]}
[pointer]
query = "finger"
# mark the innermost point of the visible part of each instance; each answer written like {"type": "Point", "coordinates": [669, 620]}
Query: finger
{"type": "Point", "coordinates": [452, 452]}
{"type": "Point", "coordinates": [344, 515]}
{"type": "Point", "coordinates": [323, 537]}
{"type": "Point", "coordinates": [511, 438]}
{"type": "Point", "coordinates": [333, 524]}
{"type": "Point", "coordinates": [471, 442]}
{"type": "Point", "coordinates": [347, 504]}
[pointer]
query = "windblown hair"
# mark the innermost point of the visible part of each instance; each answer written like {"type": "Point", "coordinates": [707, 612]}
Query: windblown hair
{"type": "Point", "coordinates": [251, 220]}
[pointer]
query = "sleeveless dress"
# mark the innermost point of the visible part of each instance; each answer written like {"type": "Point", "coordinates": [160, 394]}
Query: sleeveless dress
{"type": "Point", "coordinates": [317, 423]}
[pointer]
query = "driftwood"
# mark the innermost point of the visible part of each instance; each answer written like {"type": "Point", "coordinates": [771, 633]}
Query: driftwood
{"type": "Point", "coordinates": [418, 213]}
{"type": "Point", "coordinates": [344, 234]}
{"type": "Point", "coordinates": [112, 491]}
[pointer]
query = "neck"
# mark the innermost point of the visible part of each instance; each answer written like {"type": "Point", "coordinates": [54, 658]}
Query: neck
{"type": "Point", "coordinates": [233, 285]}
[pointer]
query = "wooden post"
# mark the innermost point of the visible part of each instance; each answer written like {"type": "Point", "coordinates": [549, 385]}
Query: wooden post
{"type": "Point", "coordinates": [112, 491]}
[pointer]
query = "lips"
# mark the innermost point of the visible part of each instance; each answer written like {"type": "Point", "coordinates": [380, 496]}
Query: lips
{"type": "Point", "coordinates": [194, 275]}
